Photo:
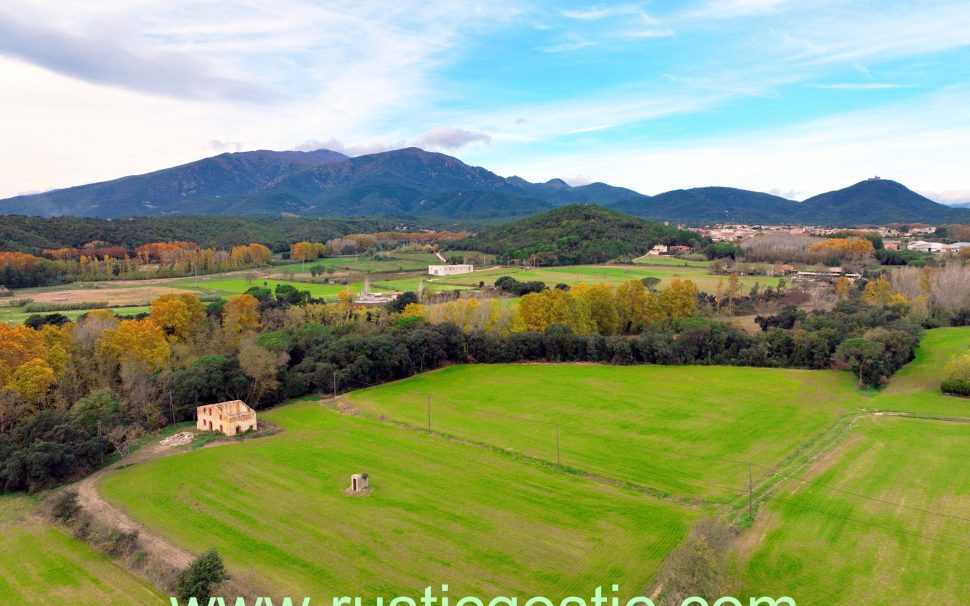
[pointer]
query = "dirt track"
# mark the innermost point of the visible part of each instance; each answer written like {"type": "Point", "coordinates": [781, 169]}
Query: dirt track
{"type": "Point", "coordinates": [101, 510]}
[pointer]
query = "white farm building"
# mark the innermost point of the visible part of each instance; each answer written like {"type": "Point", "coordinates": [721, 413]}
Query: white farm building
{"type": "Point", "coordinates": [450, 270]}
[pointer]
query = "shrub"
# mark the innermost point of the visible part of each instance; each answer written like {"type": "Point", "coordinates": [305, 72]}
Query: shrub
{"type": "Point", "coordinates": [62, 506]}
{"type": "Point", "coordinates": [198, 579]}
{"type": "Point", "coordinates": [957, 387]}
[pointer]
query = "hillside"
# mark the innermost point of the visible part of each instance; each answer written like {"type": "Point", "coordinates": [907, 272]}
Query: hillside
{"type": "Point", "coordinates": [705, 205]}
{"type": "Point", "coordinates": [413, 182]}
{"type": "Point", "coordinates": [225, 175]}
{"type": "Point", "coordinates": [575, 235]}
{"type": "Point", "coordinates": [876, 201]}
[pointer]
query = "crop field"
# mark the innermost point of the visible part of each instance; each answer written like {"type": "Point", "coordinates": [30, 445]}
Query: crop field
{"type": "Point", "coordinates": [664, 260]}
{"type": "Point", "coordinates": [630, 423]}
{"type": "Point", "coordinates": [16, 315]}
{"type": "Point", "coordinates": [236, 285]}
{"type": "Point", "coordinates": [43, 565]}
{"type": "Point", "coordinates": [825, 545]}
{"type": "Point", "coordinates": [440, 512]}
{"type": "Point", "coordinates": [609, 274]}
{"type": "Point", "coordinates": [396, 262]}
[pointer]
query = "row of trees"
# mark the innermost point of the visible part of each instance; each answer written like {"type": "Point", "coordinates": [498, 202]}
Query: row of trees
{"type": "Point", "coordinates": [20, 270]}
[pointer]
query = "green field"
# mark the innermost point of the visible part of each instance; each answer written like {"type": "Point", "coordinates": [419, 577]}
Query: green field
{"type": "Point", "coordinates": [630, 423]}
{"type": "Point", "coordinates": [824, 546]}
{"type": "Point", "coordinates": [441, 512]}
{"type": "Point", "coordinates": [13, 315]}
{"type": "Point", "coordinates": [237, 285]}
{"type": "Point", "coordinates": [608, 274]}
{"type": "Point", "coordinates": [41, 564]}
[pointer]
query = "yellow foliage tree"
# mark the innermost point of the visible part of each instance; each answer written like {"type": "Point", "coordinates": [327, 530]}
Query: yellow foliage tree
{"type": "Point", "coordinates": [32, 380]}
{"type": "Point", "coordinates": [136, 343]}
{"type": "Point", "coordinates": [878, 292]}
{"type": "Point", "coordinates": [538, 311]}
{"type": "Point", "coordinates": [179, 315]}
{"type": "Point", "coordinates": [679, 300]}
{"type": "Point", "coordinates": [240, 316]}
{"type": "Point", "coordinates": [842, 287]}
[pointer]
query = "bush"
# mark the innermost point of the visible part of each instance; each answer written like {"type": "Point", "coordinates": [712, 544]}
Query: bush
{"type": "Point", "coordinates": [198, 579]}
{"type": "Point", "coordinates": [62, 506]}
{"type": "Point", "coordinates": [957, 387]}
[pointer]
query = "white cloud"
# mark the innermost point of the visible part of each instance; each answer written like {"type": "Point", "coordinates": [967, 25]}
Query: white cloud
{"type": "Point", "coordinates": [859, 86]}
{"type": "Point", "coordinates": [595, 13]}
{"type": "Point", "coordinates": [953, 196]}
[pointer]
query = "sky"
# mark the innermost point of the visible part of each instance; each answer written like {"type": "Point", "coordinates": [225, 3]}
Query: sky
{"type": "Point", "coordinates": [789, 97]}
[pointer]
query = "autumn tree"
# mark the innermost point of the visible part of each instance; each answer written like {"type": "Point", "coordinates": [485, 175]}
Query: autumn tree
{"type": "Point", "coordinates": [240, 316]}
{"type": "Point", "coordinates": [179, 315]}
{"type": "Point", "coordinates": [679, 300]}
{"type": "Point", "coordinates": [878, 292]}
{"type": "Point", "coordinates": [260, 364]}
{"type": "Point", "coordinates": [32, 380]}
{"type": "Point", "coordinates": [136, 343]}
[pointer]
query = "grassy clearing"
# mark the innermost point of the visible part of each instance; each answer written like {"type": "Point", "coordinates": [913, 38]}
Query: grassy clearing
{"type": "Point", "coordinates": [822, 546]}
{"type": "Point", "coordinates": [441, 512]}
{"type": "Point", "coordinates": [916, 387]}
{"type": "Point", "coordinates": [15, 315]}
{"type": "Point", "coordinates": [624, 422]}
{"type": "Point", "coordinates": [609, 274]}
{"type": "Point", "coordinates": [668, 260]}
{"type": "Point", "coordinates": [237, 285]}
{"type": "Point", "coordinates": [41, 564]}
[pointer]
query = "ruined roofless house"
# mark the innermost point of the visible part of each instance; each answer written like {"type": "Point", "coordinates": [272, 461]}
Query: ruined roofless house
{"type": "Point", "coordinates": [231, 418]}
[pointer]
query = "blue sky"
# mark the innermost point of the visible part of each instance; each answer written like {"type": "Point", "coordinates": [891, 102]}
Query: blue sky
{"type": "Point", "coordinates": [783, 96]}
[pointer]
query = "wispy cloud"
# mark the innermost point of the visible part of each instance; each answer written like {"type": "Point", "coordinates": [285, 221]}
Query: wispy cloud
{"type": "Point", "coordinates": [595, 13]}
{"type": "Point", "coordinates": [859, 86]}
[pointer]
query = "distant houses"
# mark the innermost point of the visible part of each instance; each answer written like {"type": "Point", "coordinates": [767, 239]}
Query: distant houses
{"type": "Point", "coordinates": [450, 270]}
{"type": "Point", "coordinates": [936, 247]}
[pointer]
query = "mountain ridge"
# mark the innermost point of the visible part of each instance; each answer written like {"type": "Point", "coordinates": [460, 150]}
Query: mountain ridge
{"type": "Point", "coordinates": [419, 183]}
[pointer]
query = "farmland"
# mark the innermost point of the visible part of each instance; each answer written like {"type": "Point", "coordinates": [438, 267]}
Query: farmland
{"type": "Point", "coordinates": [627, 422]}
{"type": "Point", "coordinates": [43, 565]}
{"type": "Point", "coordinates": [826, 545]}
{"type": "Point", "coordinates": [609, 274]}
{"type": "Point", "coordinates": [483, 522]}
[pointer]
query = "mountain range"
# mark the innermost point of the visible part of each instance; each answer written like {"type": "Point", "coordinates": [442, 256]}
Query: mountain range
{"type": "Point", "coordinates": [412, 182]}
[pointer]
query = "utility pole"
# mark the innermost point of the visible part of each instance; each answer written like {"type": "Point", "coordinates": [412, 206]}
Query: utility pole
{"type": "Point", "coordinates": [429, 413]}
{"type": "Point", "coordinates": [335, 385]}
{"type": "Point", "coordinates": [750, 498]}
{"type": "Point", "coordinates": [558, 459]}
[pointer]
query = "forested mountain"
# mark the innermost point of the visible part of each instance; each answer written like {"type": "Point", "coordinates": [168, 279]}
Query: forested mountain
{"type": "Point", "coordinates": [416, 183]}
{"type": "Point", "coordinates": [575, 234]}
{"type": "Point", "coordinates": [705, 205]}
{"type": "Point", "coordinates": [225, 176]}
{"type": "Point", "coordinates": [876, 201]}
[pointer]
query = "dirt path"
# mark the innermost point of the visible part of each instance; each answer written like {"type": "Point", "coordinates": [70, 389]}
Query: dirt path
{"type": "Point", "coordinates": [105, 512]}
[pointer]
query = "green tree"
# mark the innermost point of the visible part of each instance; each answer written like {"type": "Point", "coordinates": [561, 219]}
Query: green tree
{"type": "Point", "coordinates": [199, 578]}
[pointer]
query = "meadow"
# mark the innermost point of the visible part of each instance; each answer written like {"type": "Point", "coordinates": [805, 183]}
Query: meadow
{"type": "Point", "coordinates": [43, 565]}
{"type": "Point", "coordinates": [686, 430]}
{"type": "Point", "coordinates": [440, 512]}
{"type": "Point", "coordinates": [887, 523]}
{"type": "Point", "coordinates": [236, 284]}
{"type": "Point", "coordinates": [609, 274]}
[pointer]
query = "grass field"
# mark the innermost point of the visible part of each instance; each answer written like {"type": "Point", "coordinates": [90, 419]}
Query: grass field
{"type": "Point", "coordinates": [441, 512]}
{"type": "Point", "coordinates": [42, 565]}
{"type": "Point", "coordinates": [15, 315]}
{"type": "Point", "coordinates": [628, 423]}
{"type": "Point", "coordinates": [609, 274]}
{"type": "Point", "coordinates": [828, 547]}
{"type": "Point", "coordinates": [238, 285]}
{"type": "Point", "coordinates": [916, 387]}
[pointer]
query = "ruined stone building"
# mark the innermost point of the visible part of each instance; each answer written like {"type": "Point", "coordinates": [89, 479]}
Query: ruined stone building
{"type": "Point", "coordinates": [231, 418]}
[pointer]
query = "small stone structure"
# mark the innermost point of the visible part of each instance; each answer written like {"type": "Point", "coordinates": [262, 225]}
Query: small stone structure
{"type": "Point", "coordinates": [231, 418]}
{"type": "Point", "coordinates": [358, 484]}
